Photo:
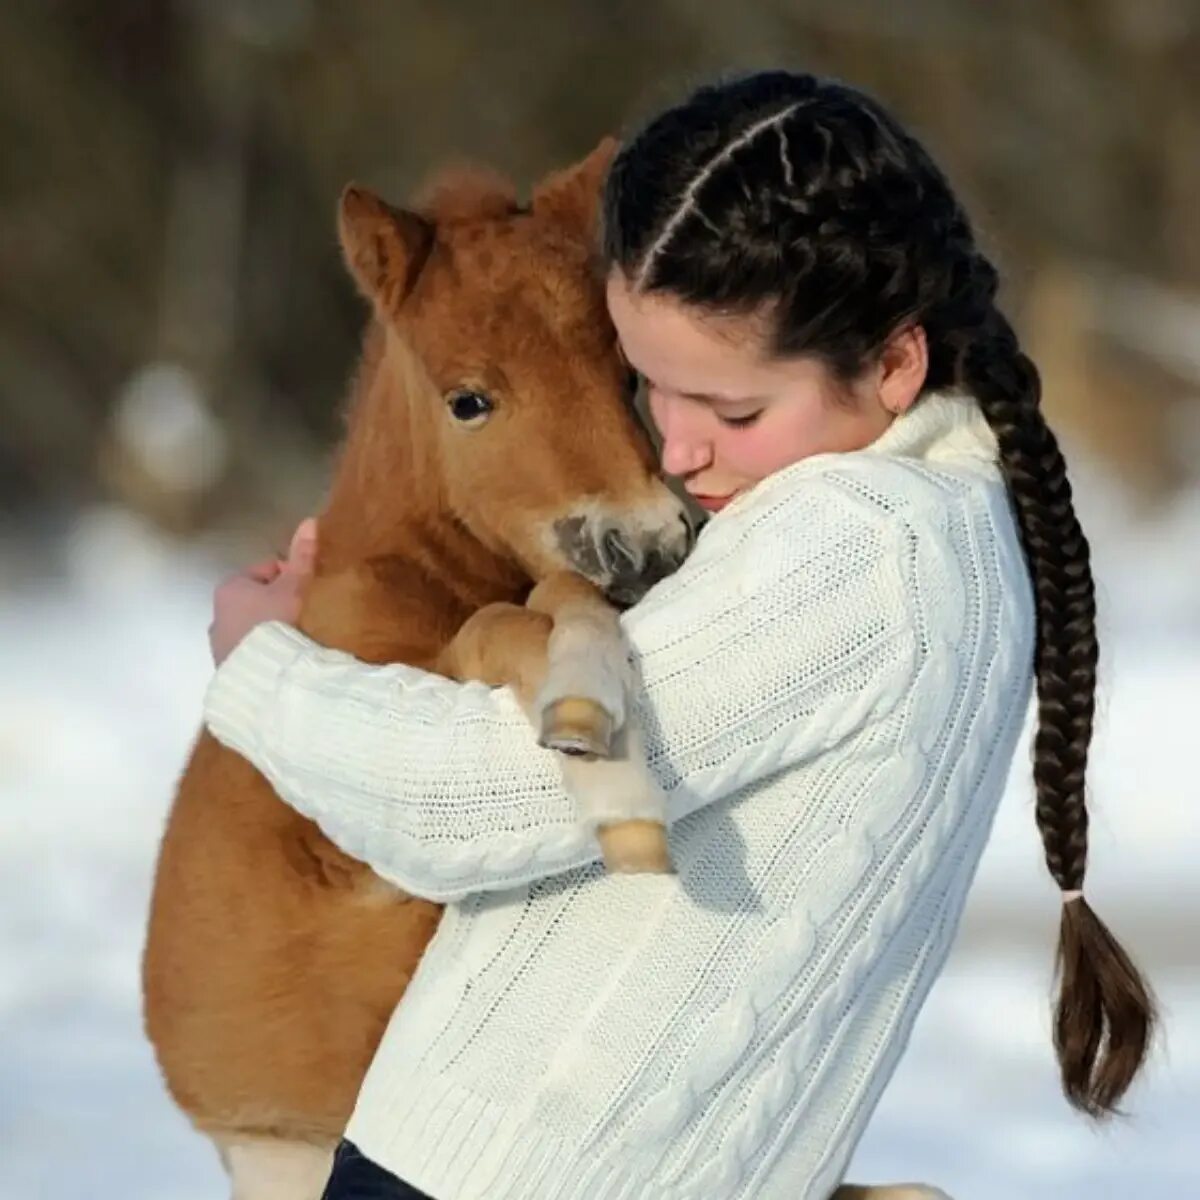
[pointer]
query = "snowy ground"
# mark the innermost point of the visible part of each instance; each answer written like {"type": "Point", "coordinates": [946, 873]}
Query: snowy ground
{"type": "Point", "coordinates": [102, 665]}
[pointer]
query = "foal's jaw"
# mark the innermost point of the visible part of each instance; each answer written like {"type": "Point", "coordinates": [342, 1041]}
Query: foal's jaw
{"type": "Point", "coordinates": [623, 551]}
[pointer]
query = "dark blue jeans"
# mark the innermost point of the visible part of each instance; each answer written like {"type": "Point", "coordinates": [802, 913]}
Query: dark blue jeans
{"type": "Point", "coordinates": [356, 1177]}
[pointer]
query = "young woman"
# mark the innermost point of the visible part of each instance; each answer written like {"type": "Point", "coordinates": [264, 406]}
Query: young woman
{"type": "Point", "coordinates": [833, 687]}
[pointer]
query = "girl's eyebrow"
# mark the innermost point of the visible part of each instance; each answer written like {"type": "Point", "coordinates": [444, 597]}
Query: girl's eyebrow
{"type": "Point", "coordinates": [709, 398]}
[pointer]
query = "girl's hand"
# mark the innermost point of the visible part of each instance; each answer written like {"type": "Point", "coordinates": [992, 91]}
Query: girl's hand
{"type": "Point", "coordinates": [268, 591]}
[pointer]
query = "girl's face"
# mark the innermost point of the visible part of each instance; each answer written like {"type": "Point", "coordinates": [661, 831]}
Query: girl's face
{"type": "Point", "coordinates": [729, 417]}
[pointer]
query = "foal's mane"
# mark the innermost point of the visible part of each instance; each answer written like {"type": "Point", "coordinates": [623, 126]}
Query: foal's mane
{"type": "Point", "coordinates": [466, 192]}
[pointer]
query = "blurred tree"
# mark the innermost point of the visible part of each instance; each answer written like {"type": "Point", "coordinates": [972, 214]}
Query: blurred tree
{"type": "Point", "coordinates": [170, 167]}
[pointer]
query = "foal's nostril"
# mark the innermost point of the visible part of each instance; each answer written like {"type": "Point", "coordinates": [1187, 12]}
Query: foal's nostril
{"type": "Point", "coordinates": [617, 555]}
{"type": "Point", "coordinates": [578, 546]}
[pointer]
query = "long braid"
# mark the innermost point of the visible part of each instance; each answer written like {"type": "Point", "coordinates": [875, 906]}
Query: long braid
{"type": "Point", "coordinates": [1104, 1012]}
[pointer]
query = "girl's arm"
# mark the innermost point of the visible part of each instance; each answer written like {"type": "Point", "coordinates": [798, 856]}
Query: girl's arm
{"type": "Point", "coordinates": [780, 635]}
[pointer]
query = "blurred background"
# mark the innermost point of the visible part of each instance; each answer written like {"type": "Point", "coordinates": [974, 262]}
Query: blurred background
{"type": "Point", "coordinates": [175, 330]}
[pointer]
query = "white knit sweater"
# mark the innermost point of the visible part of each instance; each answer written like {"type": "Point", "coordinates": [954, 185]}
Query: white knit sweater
{"type": "Point", "coordinates": [833, 687]}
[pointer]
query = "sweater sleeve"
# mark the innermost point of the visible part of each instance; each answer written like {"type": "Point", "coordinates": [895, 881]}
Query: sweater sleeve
{"type": "Point", "coordinates": [788, 628]}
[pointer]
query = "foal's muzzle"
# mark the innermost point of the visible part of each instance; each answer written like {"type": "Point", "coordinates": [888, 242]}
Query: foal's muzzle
{"type": "Point", "coordinates": [624, 558]}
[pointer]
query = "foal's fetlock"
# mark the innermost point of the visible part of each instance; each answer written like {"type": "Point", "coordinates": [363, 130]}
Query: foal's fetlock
{"type": "Point", "coordinates": [581, 707]}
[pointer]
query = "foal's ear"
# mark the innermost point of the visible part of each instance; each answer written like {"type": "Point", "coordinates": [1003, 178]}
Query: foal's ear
{"type": "Point", "coordinates": [572, 196]}
{"type": "Point", "coordinates": [384, 247]}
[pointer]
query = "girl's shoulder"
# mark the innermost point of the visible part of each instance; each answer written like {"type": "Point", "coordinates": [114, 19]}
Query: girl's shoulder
{"type": "Point", "coordinates": [931, 514]}
{"type": "Point", "coordinates": [859, 490]}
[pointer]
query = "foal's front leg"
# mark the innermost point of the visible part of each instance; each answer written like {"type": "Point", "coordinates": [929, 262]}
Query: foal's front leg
{"type": "Point", "coordinates": [565, 657]}
{"type": "Point", "coordinates": [581, 705]}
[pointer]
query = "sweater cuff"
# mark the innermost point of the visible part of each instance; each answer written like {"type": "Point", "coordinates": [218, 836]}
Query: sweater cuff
{"type": "Point", "coordinates": [238, 699]}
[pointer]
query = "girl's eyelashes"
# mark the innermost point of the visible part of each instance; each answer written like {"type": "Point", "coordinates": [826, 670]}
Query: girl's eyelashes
{"type": "Point", "coordinates": [740, 422]}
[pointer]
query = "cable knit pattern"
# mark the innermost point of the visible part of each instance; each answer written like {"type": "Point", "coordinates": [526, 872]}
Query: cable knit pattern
{"type": "Point", "coordinates": [831, 689]}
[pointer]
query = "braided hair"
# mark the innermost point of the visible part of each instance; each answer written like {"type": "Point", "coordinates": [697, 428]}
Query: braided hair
{"type": "Point", "coordinates": [803, 199]}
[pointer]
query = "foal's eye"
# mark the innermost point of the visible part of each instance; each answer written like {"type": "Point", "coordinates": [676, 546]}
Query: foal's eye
{"type": "Point", "coordinates": [471, 408]}
{"type": "Point", "coordinates": [633, 381]}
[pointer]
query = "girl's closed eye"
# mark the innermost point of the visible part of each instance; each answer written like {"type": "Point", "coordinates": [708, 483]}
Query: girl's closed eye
{"type": "Point", "coordinates": [740, 422]}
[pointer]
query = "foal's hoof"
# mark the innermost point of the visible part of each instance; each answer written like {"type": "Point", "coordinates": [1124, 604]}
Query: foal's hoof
{"type": "Point", "coordinates": [636, 847]}
{"type": "Point", "coordinates": [574, 725]}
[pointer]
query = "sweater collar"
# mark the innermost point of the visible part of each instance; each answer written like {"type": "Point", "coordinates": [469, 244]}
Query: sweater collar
{"type": "Point", "coordinates": [941, 427]}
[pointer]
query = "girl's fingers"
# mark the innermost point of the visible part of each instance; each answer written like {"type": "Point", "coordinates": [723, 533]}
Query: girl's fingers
{"type": "Point", "coordinates": [264, 571]}
{"type": "Point", "coordinates": [302, 553]}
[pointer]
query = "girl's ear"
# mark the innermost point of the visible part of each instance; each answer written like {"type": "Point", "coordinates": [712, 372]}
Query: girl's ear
{"type": "Point", "coordinates": [572, 196]}
{"type": "Point", "coordinates": [384, 247]}
{"type": "Point", "coordinates": [903, 365]}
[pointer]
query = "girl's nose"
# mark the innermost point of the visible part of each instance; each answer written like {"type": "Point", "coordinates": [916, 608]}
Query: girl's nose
{"type": "Point", "coordinates": [686, 448]}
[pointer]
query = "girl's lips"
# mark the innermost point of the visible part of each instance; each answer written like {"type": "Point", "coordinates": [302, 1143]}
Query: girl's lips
{"type": "Point", "coordinates": [712, 503]}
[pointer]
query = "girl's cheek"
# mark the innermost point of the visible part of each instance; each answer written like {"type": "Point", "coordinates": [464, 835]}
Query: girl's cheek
{"type": "Point", "coordinates": [759, 450]}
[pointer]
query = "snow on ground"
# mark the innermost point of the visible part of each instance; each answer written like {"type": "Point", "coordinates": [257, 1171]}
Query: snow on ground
{"type": "Point", "coordinates": [103, 662]}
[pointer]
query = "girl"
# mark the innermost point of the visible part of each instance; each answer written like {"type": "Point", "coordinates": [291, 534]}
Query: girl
{"type": "Point", "coordinates": [833, 685]}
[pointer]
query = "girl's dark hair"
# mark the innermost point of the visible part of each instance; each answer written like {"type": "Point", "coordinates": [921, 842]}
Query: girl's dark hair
{"type": "Point", "coordinates": [804, 200]}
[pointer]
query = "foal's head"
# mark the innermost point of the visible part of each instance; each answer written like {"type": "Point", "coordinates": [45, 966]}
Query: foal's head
{"type": "Point", "coordinates": [519, 408]}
